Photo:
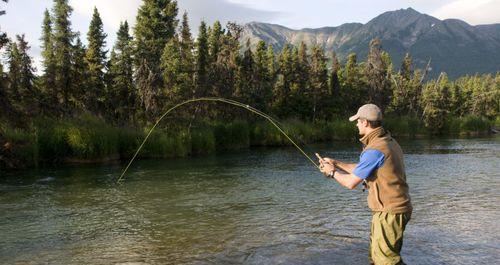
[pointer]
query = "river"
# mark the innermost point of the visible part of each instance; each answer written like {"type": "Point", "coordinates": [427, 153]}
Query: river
{"type": "Point", "coordinates": [258, 206]}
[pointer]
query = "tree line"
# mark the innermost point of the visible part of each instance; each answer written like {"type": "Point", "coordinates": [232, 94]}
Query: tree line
{"type": "Point", "coordinates": [161, 64]}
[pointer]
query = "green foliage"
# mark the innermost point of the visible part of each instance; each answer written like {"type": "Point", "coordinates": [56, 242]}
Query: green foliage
{"type": "Point", "coordinates": [95, 108]}
{"type": "Point", "coordinates": [156, 23]}
{"type": "Point", "coordinates": [202, 141]}
{"type": "Point", "coordinates": [95, 59]}
{"type": "Point", "coordinates": [232, 136]}
{"type": "Point", "coordinates": [62, 42]}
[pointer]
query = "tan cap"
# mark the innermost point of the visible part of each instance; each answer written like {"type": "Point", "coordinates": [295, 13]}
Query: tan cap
{"type": "Point", "coordinates": [368, 112]}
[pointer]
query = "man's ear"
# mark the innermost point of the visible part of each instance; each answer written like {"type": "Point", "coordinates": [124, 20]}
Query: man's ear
{"type": "Point", "coordinates": [365, 123]}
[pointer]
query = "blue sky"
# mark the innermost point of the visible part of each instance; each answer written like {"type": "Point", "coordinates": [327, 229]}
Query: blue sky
{"type": "Point", "coordinates": [25, 16]}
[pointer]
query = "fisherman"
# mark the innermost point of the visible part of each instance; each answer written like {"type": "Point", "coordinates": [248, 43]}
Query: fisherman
{"type": "Point", "coordinates": [381, 169]}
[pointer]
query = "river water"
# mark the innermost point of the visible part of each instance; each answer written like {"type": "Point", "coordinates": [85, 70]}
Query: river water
{"type": "Point", "coordinates": [259, 206]}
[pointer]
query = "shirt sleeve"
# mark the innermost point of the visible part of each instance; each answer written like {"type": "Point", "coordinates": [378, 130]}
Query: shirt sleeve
{"type": "Point", "coordinates": [369, 161]}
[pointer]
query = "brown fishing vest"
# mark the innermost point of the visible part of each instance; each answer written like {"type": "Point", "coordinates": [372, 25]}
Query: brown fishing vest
{"type": "Point", "coordinates": [387, 188]}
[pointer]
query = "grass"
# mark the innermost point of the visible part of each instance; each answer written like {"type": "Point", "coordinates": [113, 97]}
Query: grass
{"type": "Point", "coordinates": [91, 139]}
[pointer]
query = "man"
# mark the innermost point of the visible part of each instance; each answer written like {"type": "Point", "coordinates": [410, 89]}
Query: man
{"type": "Point", "coordinates": [381, 167]}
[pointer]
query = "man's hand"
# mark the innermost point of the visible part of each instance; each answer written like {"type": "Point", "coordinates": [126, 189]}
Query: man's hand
{"type": "Point", "coordinates": [330, 160]}
{"type": "Point", "coordinates": [326, 168]}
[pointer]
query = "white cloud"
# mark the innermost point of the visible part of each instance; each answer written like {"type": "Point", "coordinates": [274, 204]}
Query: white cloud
{"type": "Point", "coordinates": [112, 11]}
{"type": "Point", "coordinates": [472, 11]}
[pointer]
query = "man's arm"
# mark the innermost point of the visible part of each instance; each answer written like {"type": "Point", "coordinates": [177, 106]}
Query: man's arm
{"type": "Point", "coordinates": [349, 181]}
{"type": "Point", "coordinates": [347, 167]}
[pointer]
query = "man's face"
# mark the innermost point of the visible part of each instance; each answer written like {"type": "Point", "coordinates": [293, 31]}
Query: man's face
{"type": "Point", "coordinates": [361, 124]}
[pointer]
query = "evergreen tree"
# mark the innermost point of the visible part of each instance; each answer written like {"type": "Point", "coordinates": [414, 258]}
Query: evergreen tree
{"type": "Point", "coordinates": [321, 98]}
{"type": "Point", "coordinates": [121, 90]}
{"type": "Point", "coordinates": [21, 77]}
{"type": "Point", "coordinates": [262, 77]}
{"type": "Point", "coordinates": [201, 77]}
{"type": "Point", "coordinates": [435, 103]}
{"type": "Point", "coordinates": [334, 76]}
{"type": "Point", "coordinates": [225, 67]}
{"type": "Point", "coordinates": [407, 67]}
{"type": "Point", "coordinates": [48, 62]}
{"type": "Point", "coordinates": [172, 70]}
{"type": "Point", "coordinates": [79, 75]}
{"type": "Point", "coordinates": [186, 89]}
{"type": "Point", "coordinates": [271, 61]}
{"type": "Point", "coordinates": [63, 37]}
{"type": "Point", "coordinates": [214, 41]}
{"type": "Point", "coordinates": [245, 88]}
{"type": "Point", "coordinates": [376, 73]}
{"type": "Point", "coordinates": [353, 93]}
{"type": "Point", "coordinates": [62, 43]}
{"type": "Point", "coordinates": [156, 23]}
{"type": "Point", "coordinates": [281, 90]}
{"type": "Point", "coordinates": [15, 75]}
{"type": "Point", "coordinates": [96, 62]}
{"type": "Point", "coordinates": [334, 82]}
{"type": "Point", "coordinates": [403, 89]}
{"type": "Point", "coordinates": [303, 67]}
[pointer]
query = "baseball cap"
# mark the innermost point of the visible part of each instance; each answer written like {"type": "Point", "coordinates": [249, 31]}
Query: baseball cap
{"type": "Point", "coordinates": [368, 112]}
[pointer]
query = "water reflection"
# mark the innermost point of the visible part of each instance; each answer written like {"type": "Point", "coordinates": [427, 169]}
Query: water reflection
{"type": "Point", "coordinates": [261, 206]}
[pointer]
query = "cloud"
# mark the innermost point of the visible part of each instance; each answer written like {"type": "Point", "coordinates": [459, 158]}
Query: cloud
{"type": "Point", "coordinates": [112, 11]}
{"type": "Point", "coordinates": [474, 12]}
{"type": "Point", "coordinates": [222, 10]}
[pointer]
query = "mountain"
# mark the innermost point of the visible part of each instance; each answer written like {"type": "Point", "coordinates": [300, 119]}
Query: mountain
{"type": "Point", "coordinates": [453, 46]}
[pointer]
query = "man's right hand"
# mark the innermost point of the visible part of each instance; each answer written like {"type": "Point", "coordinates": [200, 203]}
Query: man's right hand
{"type": "Point", "coordinates": [330, 160]}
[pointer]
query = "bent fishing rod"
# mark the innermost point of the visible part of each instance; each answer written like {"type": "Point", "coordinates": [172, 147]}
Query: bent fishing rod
{"type": "Point", "coordinates": [227, 101]}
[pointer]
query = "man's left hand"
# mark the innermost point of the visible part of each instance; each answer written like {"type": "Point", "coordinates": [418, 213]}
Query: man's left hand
{"type": "Point", "coordinates": [326, 167]}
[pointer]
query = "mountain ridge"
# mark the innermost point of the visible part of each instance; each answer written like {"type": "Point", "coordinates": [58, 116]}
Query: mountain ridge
{"type": "Point", "coordinates": [453, 45]}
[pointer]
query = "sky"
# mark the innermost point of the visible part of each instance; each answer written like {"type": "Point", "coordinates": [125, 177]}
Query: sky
{"type": "Point", "coordinates": [25, 16]}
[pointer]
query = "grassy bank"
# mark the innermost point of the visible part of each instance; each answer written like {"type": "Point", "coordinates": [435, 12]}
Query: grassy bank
{"type": "Point", "coordinates": [89, 139]}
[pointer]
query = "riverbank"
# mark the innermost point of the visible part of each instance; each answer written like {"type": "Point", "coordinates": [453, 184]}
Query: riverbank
{"type": "Point", "coordinates": [91, 140]}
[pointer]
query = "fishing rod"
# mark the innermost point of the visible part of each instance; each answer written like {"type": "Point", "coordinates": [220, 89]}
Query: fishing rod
{"type": "Point", "coordinates": [227, 101]}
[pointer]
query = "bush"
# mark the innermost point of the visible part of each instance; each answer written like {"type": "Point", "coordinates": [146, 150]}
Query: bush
{"type": "Point", "coordinates": [232, 136]}
{"type": "Point", "coordinates": [202, 141]}
{"type": "Point", "coordinates": [404, 125]}
{"type": "Point", "coordinates": [164, 144]}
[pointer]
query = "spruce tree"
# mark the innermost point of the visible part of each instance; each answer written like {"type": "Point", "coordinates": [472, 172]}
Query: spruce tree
{"type": "Point", "coordinates": [352, 93]}
{"type": "Point", "coordinates": [262, 77]}
{"type": "Point", "coordinates": [281, 90]}
{"type": "Point", "coordinates": [79, 76]}
{"type": "Point", "coordinates": [245, 87]}
{"type": "Point", "coordinates": [201, 62]}
{"type": "Point", "coordinates": [156, 23]}
{"type": "Point", "coordinates": [62, 43]}
{"type": "Point", "coordinates": [376, 74]}
{"type": "Point", "coordinates": [187, 60]}
{"type": "Point", "coordinates": [334, 76]}
{"type": "Point", "coordinates": [122, 94]}
{"type": "Point", "coordinates": [15, 74]}
{"type": "Point", "coordinates": [48, 62]}
{"type": "Point", "coordinates": [319, 84]}
{"type": "Point", "coordinates": [95, 58]}
{"type": "Point", "coordinates": [407, 67]}
{"type": "Point", "coordinates": [21, 77]}
{"type": "Point", "coordinates": [172, 70]}
{"type": "Point", "coordinates": [214, 41]}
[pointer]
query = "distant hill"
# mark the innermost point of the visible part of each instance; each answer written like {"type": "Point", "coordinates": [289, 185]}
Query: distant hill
{"type": "Point", "coordinates": [455, 47]}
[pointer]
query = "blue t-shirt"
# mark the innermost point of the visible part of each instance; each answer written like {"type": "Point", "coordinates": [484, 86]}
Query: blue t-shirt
{"type": "Point", "coordinates": [369, 161]}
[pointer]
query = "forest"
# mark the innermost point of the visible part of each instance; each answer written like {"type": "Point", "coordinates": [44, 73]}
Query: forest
{"type": "Point", "coordinates": [90, 104]}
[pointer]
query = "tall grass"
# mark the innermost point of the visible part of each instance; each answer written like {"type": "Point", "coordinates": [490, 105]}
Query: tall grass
{"type": "Point", "coordinates": [90, 139]}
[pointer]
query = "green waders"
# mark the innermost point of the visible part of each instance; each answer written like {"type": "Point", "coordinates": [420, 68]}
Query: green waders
{"type": "Point", "coordinates": [386, 238]}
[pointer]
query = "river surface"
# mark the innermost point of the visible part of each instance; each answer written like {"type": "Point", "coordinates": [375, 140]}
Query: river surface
{"type": "Point", "coordinates": [259, 206]}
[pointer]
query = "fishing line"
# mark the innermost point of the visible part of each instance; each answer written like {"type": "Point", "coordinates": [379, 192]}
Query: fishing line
{"type": "Point", "coordinates": [227, 101]}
